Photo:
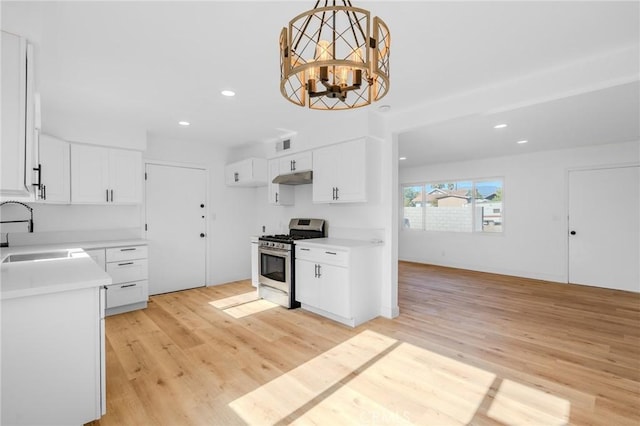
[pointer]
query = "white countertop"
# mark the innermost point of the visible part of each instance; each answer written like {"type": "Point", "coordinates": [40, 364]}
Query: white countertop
{"type": "Point", "coordinates": [86, 245]}
{"type": "Point", "coordinates": [31, 278]}
{"type": "Point", "coordinates": [337, 243]}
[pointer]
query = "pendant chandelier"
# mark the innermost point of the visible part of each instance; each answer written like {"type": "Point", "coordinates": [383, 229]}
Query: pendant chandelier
{"type": "Point", "coordinates": [334, 57]}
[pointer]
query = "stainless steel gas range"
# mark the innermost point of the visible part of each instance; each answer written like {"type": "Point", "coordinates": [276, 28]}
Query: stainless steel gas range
{"type": "Point", "coordinates": [277, 261]}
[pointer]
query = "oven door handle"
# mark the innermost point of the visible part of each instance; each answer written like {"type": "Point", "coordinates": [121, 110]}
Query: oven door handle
{"type": "Point", "coordinates": [278, 253]}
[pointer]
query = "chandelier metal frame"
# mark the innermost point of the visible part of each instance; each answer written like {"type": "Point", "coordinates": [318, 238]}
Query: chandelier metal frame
{"type": "Point", "coordinates": [334, 57]}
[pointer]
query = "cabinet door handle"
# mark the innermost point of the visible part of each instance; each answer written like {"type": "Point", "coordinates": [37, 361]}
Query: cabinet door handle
{"type": "Point", "coordinates": [293, 163]}
{"type": "Point", "coordinates": [276, 198]}
{"type": "Point", "coordinates": [107, 192]}
{"type": "Point", "coordinates": [43, 192]}
{"type": "Point", "coordinates": [304, 249]}
{"type": "Point", "coordinates": [112, 195]}
{"type": "Point", "coordinates": [128, 285]}
{"type": "Point", "coordinates": [315, 270]}
{"type": "Point", "coordinates": [126, 263]}
{"type": "Point", "coordinates": [330, 252]}
{"type": "Point", "coordinates": [333, 194]}
{"type": "Point", "coordinates": [337, 195]}
{"type": "Point", "coordinates": [128, 249]}
{"type": "Point", "coordinates": [319, 274]}
{"type": "Point", "coordinates": [236, 177]}
{"type": "Point", "coordinates": [39, 184]}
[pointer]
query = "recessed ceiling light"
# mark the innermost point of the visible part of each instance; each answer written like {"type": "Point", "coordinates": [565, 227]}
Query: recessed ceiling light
{"type": "Point", "coordinates": [500, 126]}
{"type": "Point", "coordinates": [184, 123]}
{"type": "Point", "coordinates": [402, 158]}
{"type": "Point", "coordinates": [228, 93]}
{"type": "Point", "coordinates": [522, 142]}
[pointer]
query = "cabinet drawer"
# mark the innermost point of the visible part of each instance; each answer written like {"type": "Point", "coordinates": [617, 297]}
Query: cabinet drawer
{"type": "Point", "coordinates": [321, 255]}
{"type": "Point", "coordinates": [126, 253]}
{"type": "Point", "coordinates": [128, 271]}
{"type": "Point", "coordinates": [126, 294]}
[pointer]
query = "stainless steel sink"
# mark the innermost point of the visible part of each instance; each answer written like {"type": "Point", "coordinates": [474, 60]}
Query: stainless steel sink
{"type": "Point", "coordinates": [48, 255]}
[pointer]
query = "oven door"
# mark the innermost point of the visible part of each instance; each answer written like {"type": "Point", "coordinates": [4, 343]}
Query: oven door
{"type": "Point", "coordinates": [275, 268]}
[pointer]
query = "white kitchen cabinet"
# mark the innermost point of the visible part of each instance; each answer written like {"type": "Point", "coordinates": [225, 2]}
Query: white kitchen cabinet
{"type": "Point", "coordinates": [338, 280]}
{"type": "Point", "coordinates": [307, 283]}
{"type": "Point", "coordinates": [340, 173]}
{"type": "Point", "coordinates": [55, 178]}
{"type": "Point", "coordinates": [53, 358]}
{"type": "Point", "coordinates": [102, 175]}
{"type": "Point", "coordinates": [128, 267]}
{"type": "Point", "coordinates": [125, 176]}
{"type": "Point", "coordinates": [18, 119]}
{"type": "Point", "coordinates": [255, 272]}
{"type": "Point", "coordinates": [279, 195]}
{"type": "Point", "coordinates": [246, 173]}
{"type": "Point", "coordinates": [300, 162]}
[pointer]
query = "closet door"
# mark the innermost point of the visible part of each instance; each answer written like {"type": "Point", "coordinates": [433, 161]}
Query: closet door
{"type": "Point", "coordinates": [604, 216]}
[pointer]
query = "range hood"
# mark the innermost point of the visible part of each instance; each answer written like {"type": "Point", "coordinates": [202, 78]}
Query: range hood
{"type": "Point", "coordinates": [300, 178]}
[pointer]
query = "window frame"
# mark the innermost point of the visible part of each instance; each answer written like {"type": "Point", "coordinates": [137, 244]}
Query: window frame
{"type": "Point", "coordinates": [474, 182]}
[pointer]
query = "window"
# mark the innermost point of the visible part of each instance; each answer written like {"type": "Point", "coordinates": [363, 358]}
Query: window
{"type": "Point", "coordinates": [455, 206]}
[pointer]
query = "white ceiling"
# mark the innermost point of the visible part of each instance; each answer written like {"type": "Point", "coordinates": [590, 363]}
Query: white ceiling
{"type": "Point", "coordinates": [156, 63]}
{"type": "Point", "coordinates": [609, 115]}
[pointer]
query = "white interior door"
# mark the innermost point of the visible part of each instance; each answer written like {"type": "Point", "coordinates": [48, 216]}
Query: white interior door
{"type": "Point", "coordinates": [604, 216]}
{"type": "Point", "coordinates": [176, 227]}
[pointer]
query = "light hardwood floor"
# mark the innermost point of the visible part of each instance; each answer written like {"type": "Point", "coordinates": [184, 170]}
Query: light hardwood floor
{"type": "Point", "coordinates": [467, 348]}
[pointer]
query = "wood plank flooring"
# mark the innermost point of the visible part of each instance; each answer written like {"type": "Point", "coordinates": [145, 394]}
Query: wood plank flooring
{"type": "Point", "coordinates": [467, 348]}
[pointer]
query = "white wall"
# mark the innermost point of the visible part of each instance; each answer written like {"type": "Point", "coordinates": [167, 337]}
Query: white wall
{"type": "Point", "coordinates": [534, 241]}
{"type": "Point", "coordinates": [92, 128]}
{"type": "Point", "coordinates": [232, 211]}
{"type": "Point", "coordinates": [74, 223]}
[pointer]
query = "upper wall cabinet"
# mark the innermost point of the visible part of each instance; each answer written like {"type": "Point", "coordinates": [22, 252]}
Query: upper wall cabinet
{"type": "Point", "coordinates": [279, 195]}
{"type": "Point", "coordinates": [18, 127]}
{"type": "Point", "coordinates": [339, 173]}
{"type": "Point", "coordinates": [55, 178]}
{"type": "Point", "coordinates": [300, 162]}
{"type": "Point", "coordinates": [249, 172]}
{"type": "Point", "coordinates": [102, 175]}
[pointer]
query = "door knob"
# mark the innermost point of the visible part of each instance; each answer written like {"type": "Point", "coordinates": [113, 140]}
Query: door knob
{"type": "Point", "coordinates": [202, 235]}
{"type": "Point", "coordinates": [573, 232]}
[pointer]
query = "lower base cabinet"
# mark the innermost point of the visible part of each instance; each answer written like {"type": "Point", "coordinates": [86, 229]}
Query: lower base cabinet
{"type": "Point", "coordinates": [53, 358]}
{"type": "Point", "coordinates": [128, 268]}
{"type": "Point", "coordinates": [339, 282]}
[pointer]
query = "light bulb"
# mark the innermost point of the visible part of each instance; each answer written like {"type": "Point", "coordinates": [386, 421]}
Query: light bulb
{"type": "Point", "coordinates": [313, 73]}
{"type": "Point", "coordinates": [342, 75]}
{"type": "Point", "coordinates": [322, 51]}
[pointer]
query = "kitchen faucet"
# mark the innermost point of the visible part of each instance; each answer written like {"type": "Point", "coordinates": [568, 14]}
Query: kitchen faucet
{"type": "Point", "coordinates": [29, 221]}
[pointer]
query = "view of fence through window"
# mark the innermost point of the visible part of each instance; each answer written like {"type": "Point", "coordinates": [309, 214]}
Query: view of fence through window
{"type": "Point", "coordinates": [458, 206]}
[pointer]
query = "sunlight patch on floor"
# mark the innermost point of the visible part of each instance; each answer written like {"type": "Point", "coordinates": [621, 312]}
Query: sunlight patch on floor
{"type": "Point", "coordinates": [238, 299]}
{"type": "Point", "coordinates": [516, 404]}
{"type": "Point", "coordinates": [409, 385]}
{"type": "Point", "coordinates": [374, 379]}
{"type": "Point", "coordinates": [292, 391]}
{"type": "Point", "coordinates": [249, 308]}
